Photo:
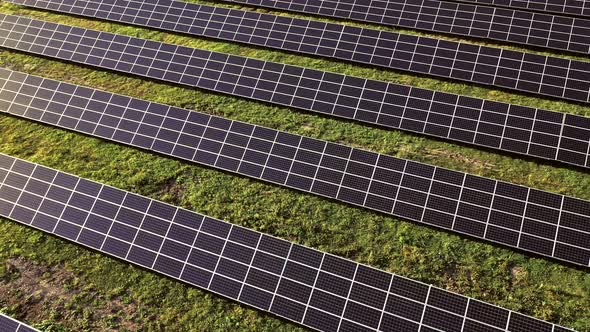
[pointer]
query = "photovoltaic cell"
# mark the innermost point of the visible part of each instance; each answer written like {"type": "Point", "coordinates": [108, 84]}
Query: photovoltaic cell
{"type": "Point", "coordinates": [529, 131]}
{"type": "Point", "coordinates": [567, 7]}
{"type": "Point", "coordinates": [312, 288]}
{"type": "Point", "coordinates": [504, 24]}
{"type": "Point", "coordinates": [537, 74]}
{"type": "Point", "coordinates": [544, 223]}
{"type": "Point", "coordinates": [8, 324]}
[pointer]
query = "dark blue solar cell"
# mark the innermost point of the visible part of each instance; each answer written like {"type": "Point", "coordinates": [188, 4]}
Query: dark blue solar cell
{"type": "Point", "coordinates": [162, 210]}
{"type": "Point", "coordinates": [98, 223]}
{"type": "Point", "coordinates": [238, 252]}
{"type": "Point", "coordinates": [141, 256]}
{"type": "Point", "coordinates": [306, 256]}
{"type": "Point", "coordinates": [321, 320]}
{"type": "Point", "coordinates": [112, 195]}
{"type": "Point", "coordinates": [115, 247]}
{"type": "Point", "coordinates": [6, 161]}
{"type": "Point", "coordinates": [23, 167]}
{"type": "Point", "coordinates": [231, 269]}
{"type": "Point", "coordinates": [8, 325]}
{"type": "Point", "coordinates": [188, 219]}
{"type": "Point", "coordinates": [339, 266]}
{"type": "Point", "coordinates": [168, 266]}
{"type": "Point", "coordinates": [136, 202]}
{"type": "Point", "coordinates": [67, 230]}
{"type": "Point", "coordinates": [287, 308]}
{"type": "Point", "coordinates": [215, 227]}
{"type": "Point", "coordinates": [155, 225]}
{"type": "Point", "coordinates": [196, 276]}
{"type": "Point", "coordinates": [362, 314]}
{"type": "Point", "coordinates": [29, 200]}
{"type": "Point", "coordinates": [262, 279]}
{"type": "Point", "coordinates": [521, 323]}
{"type": "Point", "coordinates": [209, 243]}
{"type": "Point", "coordinates": [333, 284]}
{"type": "Point", "coordinates": [256, 297]}
{"type": "Point", "coordinates": [91, 239]}
{"type": "Point", "coordinates": [368, 295]}
{"type": "Point", "coordinates": [225, 286]}
{"type": "Point", "coordinates": [65, 180]}
{"type": "Point", "coordinates": [175, 250]}
{"type": "Point", "coordinates": [18, 213]}
{"type": "Point", "coordinates": [300, 273]}
{"type": "Point", "coordinates": [327, 302]}
{"type": "Point", "coordinates": [105, 209]}
{"type": "Point", "coordinates": [182, 234]}
{"type": "Point", "coordinates": [148, 241]}
{"type": "Point", "coordinates": [81, 201]}
{"type": "Point", "coordinates": [15, 180]}
{"type": "Point", "coordinates": [52, 208]}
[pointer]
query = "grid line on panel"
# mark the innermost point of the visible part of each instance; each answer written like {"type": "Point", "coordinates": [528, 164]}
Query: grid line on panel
{"type": "Point", "coordinates": [9, 324]}
{"type": "Point", "coordinates": [473, 20]}
{"type": "Point", "coordinates": [447, 116]}
{"type": "Point", "coordinates": [396, 51]}
{"type": "Point", "coordinates": [483, 208]}
{"type": "Point", "coordinates": [256, 253]}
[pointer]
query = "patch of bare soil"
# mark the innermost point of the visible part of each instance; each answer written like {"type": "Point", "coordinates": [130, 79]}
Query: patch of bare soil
{"type": "Point", "coordinates": [40, 290]}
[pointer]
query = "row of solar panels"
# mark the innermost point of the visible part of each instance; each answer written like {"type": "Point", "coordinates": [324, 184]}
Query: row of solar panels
{"type": "Point", "coordinates": [301, 284]}
{"type": "Point", "coordinates": [540, 222]}
{"type": "Point", "coordinates": [114, 223]}
{"type": "Point", "coordinates": [333, 7]}
{"type": "Point", "coordinates": [533, 132]}
{"type": "Point", "coordinates": [527, 72]}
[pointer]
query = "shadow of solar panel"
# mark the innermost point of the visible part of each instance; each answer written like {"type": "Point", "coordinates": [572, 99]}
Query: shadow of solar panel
{"type": "Point", "coordinates": [539, 133]}
{"type": "Point", "coordinates": [309, 287]}
{"type": "Point", "coordinates": [540, 222]}
{"type": "Point", "coordinates": [557, 78]}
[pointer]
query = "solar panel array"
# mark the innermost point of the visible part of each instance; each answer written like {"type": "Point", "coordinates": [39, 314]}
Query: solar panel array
{"type": "Point", "coordinates": [567, 7]}
{"type": "Point", "coordinates": [301, 284]}
{"type": "Point", "coordinates": [534, 29]}
{"type": "Point", "coordinates": [536, 221]}
{"type": "Point", "coordinates": [312, 288]}
{"type": "Point", "coordinates": [534, 132]}
{"type": "Point", "coordinates": [537, 74]}
{"type": "Point", "coordinates": [8, 324]}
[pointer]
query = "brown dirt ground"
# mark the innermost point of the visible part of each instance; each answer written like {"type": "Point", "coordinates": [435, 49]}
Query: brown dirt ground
{"type": "Point", "coordinates": [39, 290]}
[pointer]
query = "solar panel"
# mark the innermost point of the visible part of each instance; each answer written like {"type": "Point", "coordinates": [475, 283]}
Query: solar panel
{"type": "Point", "coordinates": [532, 73]}
{"type": "Point", "coordinates": [532, 220]}
{"type": "Point", "coordinates": [310, 287]}
{"type": "Point", "coordinates": [524, 28]}
{"type": "Point", "coordinates": [8, 324]}
{"type": "Point", "coordinates": [567, 7]}
{"type": "Point", "coordinates": [528, 131]}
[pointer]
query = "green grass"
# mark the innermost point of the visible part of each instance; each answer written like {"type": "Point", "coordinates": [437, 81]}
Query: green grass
{"type": "Point", "coordinates": [77, 289]}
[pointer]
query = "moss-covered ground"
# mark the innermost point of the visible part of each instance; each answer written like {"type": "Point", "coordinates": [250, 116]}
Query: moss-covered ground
{"type": "Point", "coordinates": [58, 286]}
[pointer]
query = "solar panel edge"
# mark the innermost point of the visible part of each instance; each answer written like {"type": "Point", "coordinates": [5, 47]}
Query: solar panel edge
{"type": "Point", "coordinates": [392, 211]}
{"type": "Point", "coordinates": [407, 284]}
{"type": "Point", "coordinates": [9, 324]}
{"type": "Point", "coordinates": [477, 71]}
{"type": "Point", "coordinates": [510, 145]}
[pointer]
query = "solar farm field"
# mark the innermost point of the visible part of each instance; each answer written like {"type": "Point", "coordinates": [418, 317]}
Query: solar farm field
{"type": "Point", "coordinates": [57, 286]}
